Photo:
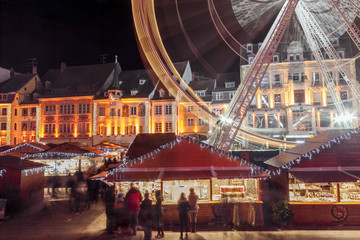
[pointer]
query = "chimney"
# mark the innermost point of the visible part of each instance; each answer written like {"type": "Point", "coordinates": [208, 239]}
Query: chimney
{"type": "Point", "coordinates": [62, 67]}
{"type": "Point", "coordinates": [34, 69]}
{"type": "Point", "coordinates": [12, 72]}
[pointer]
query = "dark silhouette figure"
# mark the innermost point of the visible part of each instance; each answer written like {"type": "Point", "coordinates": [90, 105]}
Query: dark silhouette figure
{"type": "Point", "coordinates": [159, 214]}
{"type": "Point", "coordinates": [194, 207]}
{"type": "Point", "coordinates": [183, 208]}
{"type": "Point", "coordinates": [146, 216]}
{"type": "Point", "coordinates": [109, 206]}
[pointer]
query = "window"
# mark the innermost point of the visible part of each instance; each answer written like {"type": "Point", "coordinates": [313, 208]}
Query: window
{"type": "Point", "coordinates": [190, 122]}
{"type": "Point", "coordinates": [190, 108]}
{"type": "Point", "coordinates": [168, 109]}
{"type": "Point", "coordinates": [276, 58]}
{"type": "Point", "coordinates": [249, 47]}
{"type": "Point", "coordinates": [325, 120]}
{"type": "Point", "coordinates": [50, 128]}
{"type": "Point", "coordinates": [66, 128]}
{"type": "Point", "coordinates": [219, 96]}
{"type": "Point", "coordinates": [277, 99]}
{"type": "Point", "coordinates": [200, 93]}
{"type": "Point", "coordinates": [132, 110]}
{"type": "Point", "coordinates": [343, 95]}
{"type": "Point", "coordinates": [141, 129]}
{"type": "Point", "coordinates": [3, 126]}
{"type": "Point", "coordinates": [84, 108]}
{"type": "Point", "coordinates": [24, 126]}
{"type": "Point", "coordinates": [134, 92]}
{"type": "Point", "coordinates": [297, 57]}
{"type": "Point", "coordinates": [101, 111]}
{"type": "Point", "coordinates": [32, 126]}
{"type": "Point", "coordinates": [201, 122]}
{"type": "Point", "coordinates": [119, 112]}
{"type": "Point", "coordinates": [231, 95]}
{"type": "Point", "coordinates": [15, 112]}
{"type": "Point", "coordinates": [316, 79]}
{"type": "Point", "coordinates": [291, 57]}
{"type": "Point", "coordinates": [158, 110]}
{"type": "Point", "coordinates": [33, 112]}
{"type": "Point", "coordinates": [260, 121]}
{"type": "Point", "coordinates": [272, 121]}
{"type": "Point", "coordinates": [341, 54]}
{"type": "Point", "coordinates": [277, 78]}
{"type": "Point", "coordinates": [302, 120]}
{"type": "Point", "coordinates": [24, 111]}
{"type": "Point", "coordinates": [112, 112]}
{"type": "Point", "coordinates": [4, 111]}
{"type": "Point", "coordinates": [15, 126]}
{"type": "Point", "coordinates": [317, 98]}
{"type": "Point", "coordinates": [229, 84]}
{"type": "Point", "coordinates": [157, 127]}
{"type": "Point", "coordinates": [50, 109]}
{"type": "Point", "coordinates": [299, 96]}
{"type": "Point", "coordinates": [66, 109]}
{"type": "Point", "coordinates": [265, 101]}
{"type": "Point", "coordinates": [168, 127]}
{"type": "Point", "coordinates": [251, 60]}
{"type": "Point", "coordinates": [142, 81]}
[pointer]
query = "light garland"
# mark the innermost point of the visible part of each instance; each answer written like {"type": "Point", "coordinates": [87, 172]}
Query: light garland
{"type": "Point", "coordinates": [327, 145]}
{"type": "Point", "coordinates": [22, 145]}
{"type": "Point", "coordinates": [110, 149]}
{"type": "Point", "coordinates": [33, 170]}
{"type": "Point", "coordinates": [53, 154]}
{"type": "Point", "coordinates": [254, 168]}
{"type": "Point", "coordinates": [2, 171]}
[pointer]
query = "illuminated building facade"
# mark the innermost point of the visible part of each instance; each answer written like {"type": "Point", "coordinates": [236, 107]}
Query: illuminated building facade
{"type": "Point", "coordinates": [293, 101]}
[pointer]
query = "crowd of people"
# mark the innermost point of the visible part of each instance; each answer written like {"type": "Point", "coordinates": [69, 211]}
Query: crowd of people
{"type": "Point", "coordinates": [130, 212]}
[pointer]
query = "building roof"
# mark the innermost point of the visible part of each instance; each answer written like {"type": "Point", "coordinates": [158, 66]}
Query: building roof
{"type": "Point", "coordinates": [181, 67]}
{"type": "Point", "coordinates": [204, 85]}
{"type": "Point", "coordinates": [227, 77]}
{"type": "Point", "coordinates": [130, 81]}
{"type": "Point", "coordinates": [17, 163]}
{"type": "Point", "coordinates": [16, 82]}
{"type": "Point", "coordinates": [51, 75]}
{"type": "Point", "coordinates": [147, 142]}
{"type": "Point", "coordinates": [81, 80]}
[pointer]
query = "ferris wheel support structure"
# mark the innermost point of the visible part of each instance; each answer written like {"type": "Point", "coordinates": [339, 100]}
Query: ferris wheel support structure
{"type": "Point", "coordinates": [352, 29]}
{"type": "Point", "coordinates": [229, 125]}
{"type": "Point", "coordinates": [310, 23]}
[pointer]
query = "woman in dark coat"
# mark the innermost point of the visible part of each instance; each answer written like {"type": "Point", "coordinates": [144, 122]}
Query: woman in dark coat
{"type": "Point", "coordinates": [183, 208]}
{"type": "Point", "coordinates": [159, 214]}
{"type": "Point", "coordinates": [146, 216]}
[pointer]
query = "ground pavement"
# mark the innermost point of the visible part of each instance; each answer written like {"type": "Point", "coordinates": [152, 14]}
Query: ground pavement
{"type": "Point", "coordinates": [58, 222]}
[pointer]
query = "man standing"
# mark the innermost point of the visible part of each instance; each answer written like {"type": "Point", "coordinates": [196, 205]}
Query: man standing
{"type": "Point", "coordinates": [133, 199]}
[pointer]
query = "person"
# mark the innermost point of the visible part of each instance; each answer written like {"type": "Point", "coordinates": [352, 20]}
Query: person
{"type": "Point", "coordinates": [194, 207]}
{"type": "Point", "coordinates": [183, 207]}
{"type": "Point", "coordinates": [109, 207]}
{"type": "Point", "coordinates": [159, 214]}
{"type": "Point", "coordinates": [133, 198]}
{"type": "Point", "coordinates": [146, 216]}
{"type": "Point", "coordinates": [120, 214]}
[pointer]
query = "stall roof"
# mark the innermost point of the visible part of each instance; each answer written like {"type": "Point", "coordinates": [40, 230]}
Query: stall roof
{"type": "Point", "coordinates": [17, 163]}
{"type": "Point", "coordinates": [332, 156]}
{"type": "Point", "coordinates": [109, 145]}
{"type": "Point", "coordinates": [185, 158]}
{"type": "Point", "coordinates": [74, 148]}
{"type": "Point", "coordinates": [305, 148]}
{"type": "Point", "coordinates": [147, 142]}
{"type": "Point", "coordinates": [26, 148]}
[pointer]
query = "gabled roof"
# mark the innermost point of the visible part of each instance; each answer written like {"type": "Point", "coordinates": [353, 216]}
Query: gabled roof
{"type": "Point", "coordinates": [74, 147]}
{"type": "Point", "coordinates": [15, 83]}
{"type": "Point", "coordinates": [26, 148]}
{"type": "Point", "coordinates": [130, 82]}
{"type": "Point", "coordinates": [81, 80]}
{"type": "Point", "coordinates": [147, 142]}
{"type": "Point", "coordinates": [51, 75]}
{"type": "Point", "coordinates": [181, 67]}
{"type": "Point", "coordinates": [17, 163]}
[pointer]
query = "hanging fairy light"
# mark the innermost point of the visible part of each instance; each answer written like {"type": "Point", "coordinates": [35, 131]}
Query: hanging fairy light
{"type": "Point", "coordinates": [2, 171]}
{"type": "Point", "coordinates": [33, 170]}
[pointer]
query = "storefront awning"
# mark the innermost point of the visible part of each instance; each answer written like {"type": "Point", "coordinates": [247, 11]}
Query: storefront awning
{"type": "Point", "coordinates": [326, 174]}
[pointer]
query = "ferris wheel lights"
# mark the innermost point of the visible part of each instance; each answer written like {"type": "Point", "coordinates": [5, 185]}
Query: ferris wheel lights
{"type": "Point", "coordinates": [344, 118]}
{"type": "Point", "coordinates": [226, 120]}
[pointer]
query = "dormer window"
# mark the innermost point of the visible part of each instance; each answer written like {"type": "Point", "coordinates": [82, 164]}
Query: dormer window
{"type": "Point", "coordinates": [200, 93]}
{"type": "Point", "coordinates": [120, 82]}
{"type": "Point", "coordinates": [251, 59]}
{"type": "Point", "coordinates": [249, 47]}
{"type": "Point", "coordinates": [35, 96]}
{"type": "Point", "coordinates": [276, 58]}
{"type": "Point", "coordinates": [291, 57]}
{"type": "Point", "coordinates": [142, 81]}
{"type": "Point", "coordinates": [162, 93]}
{"type": "Point", "coordinates": [134, 92]}
{"type": "Point", "coordinates": [3, 97]}
{"type": "Point", "coordinates": [229, 84]}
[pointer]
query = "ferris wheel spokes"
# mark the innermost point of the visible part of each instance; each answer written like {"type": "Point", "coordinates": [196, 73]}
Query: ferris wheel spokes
{"type": "Point", "coordinates": [228, 127]}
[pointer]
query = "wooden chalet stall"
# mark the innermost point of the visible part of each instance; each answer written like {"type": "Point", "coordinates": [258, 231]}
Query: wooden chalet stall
{"type": "Point", "coordinates": [323, 178]}
{"type": "Point", "coordinates": [23, 177]}
{"type": "Point", "coordinates": [25, 148]}
{"type": "Point", "coordinates": [217, 177]}
{"type": "Point", "coordinates": [67, 158]}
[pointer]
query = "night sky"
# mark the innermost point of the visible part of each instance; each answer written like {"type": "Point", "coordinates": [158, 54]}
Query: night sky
{"type": "Point", "coordinates": [76, 32]}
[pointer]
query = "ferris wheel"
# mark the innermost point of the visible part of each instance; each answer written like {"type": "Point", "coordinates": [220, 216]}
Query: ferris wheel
{"type": "Point", "coordinates": [320, 22]}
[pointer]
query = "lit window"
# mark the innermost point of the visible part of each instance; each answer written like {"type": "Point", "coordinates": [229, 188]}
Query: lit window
{"type": "Point", "coordinates": [3, 126]}
{"type": "Point", "coordinates": [190, 108]}
{"type": "Point", "coordinates": [4, 111]}
{"type": "Point", "coordinates": [157, 127]}
{"type": "Point", "coordinates": [201, 122]}
{"type": "Point", "coordinates": [158, 110]}
{"type": "Point", "coordinates": [132, 110]}
{"type": "Point", "coordinates": [168, 109]}
{"type": "Point", "coordinates": [101, 111]}
{"type": "Point", "coordinates": [229, 84]}
{"type": "Point", "coordinates": [24, 111]}
{"type": "Point", "coordinates": [134, 92]}
{"type": "Point", "coordinates": [168, 127]}
{"type": "Point", "coordinates": [190, 122]}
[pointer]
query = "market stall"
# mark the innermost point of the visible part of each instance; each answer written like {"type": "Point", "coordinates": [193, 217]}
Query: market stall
{"type": "Point", "coordinates": [184, 163]}
{"type": "Point", "coordinates": [324, 174]}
